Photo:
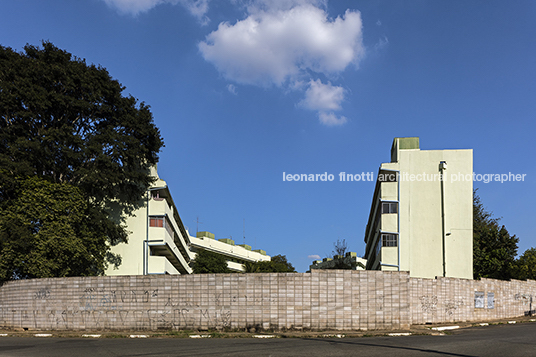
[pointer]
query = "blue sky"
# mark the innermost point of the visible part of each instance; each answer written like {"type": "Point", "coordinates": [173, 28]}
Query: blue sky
{"type": "Point", "coordinates": [243, 91]}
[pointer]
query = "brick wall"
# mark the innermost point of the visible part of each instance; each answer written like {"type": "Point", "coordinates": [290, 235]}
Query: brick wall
{"type": "Point", "coordinates": [323, 299]}
{"type": "Point", "coordinates": [449, 300]}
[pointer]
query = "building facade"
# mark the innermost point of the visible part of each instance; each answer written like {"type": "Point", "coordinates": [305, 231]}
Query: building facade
{"type": "Point", "coordinates": [421, 217]}
{"type": "Point", "coordinates": [159, 243]}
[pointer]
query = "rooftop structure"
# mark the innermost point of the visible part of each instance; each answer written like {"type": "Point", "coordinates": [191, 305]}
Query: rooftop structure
{"type": "Point", "coordinates": [340, 262]}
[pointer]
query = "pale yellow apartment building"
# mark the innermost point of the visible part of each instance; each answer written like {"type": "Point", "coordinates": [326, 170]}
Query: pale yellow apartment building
{"type": "Point", "coordinates": [159, 243]}
{"type": "Point", "coordinates": [421, 217]}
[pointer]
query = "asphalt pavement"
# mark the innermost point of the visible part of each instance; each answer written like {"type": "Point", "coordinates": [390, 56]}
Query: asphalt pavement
{"type": "Point", "coordinates": [486, 341]}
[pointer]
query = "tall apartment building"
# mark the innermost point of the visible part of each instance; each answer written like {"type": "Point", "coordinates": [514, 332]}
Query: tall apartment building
{"type": "Point", "coordinates": [421, 217]}
{"type": "Point", "coordinates": [159, 243]}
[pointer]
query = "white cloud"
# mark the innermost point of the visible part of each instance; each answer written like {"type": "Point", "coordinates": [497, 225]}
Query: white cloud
{"type": "Point", "coordinates": [232, 88]}
{"type": "Point", "coordinates": [286, 43]}
{"type": "Point", "coordinates": [133, 7]}
{"type": "Point", "coordinates": [274, 47]}
{"type": "Point", "coordinates": [197, 8]}
{"type": "Point", "coordinates": [314, 256]}
{"type": "Point", "coordinates": [325, 98]}
{"type": "Point", "coordinates": [330, 119]}
{"type": "Point", "coordinates": [321, 96]}
{"type": "Point", "coordinates": [254, 6]}
{"type": "Point", "coordinates": [382, 43]}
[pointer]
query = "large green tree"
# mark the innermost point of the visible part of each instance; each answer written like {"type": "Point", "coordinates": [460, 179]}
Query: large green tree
{"type": "Point", "coordinates": [50, 230]}
{"type": "Point", "coordinates": [525, 267]}
{"type": "Point", "coordinates": [67, 122]}
{"type": "Point", "coordinates": [207, 262]}
{"type": "Point", "coordinates": [278, 264]}
{"type": "Point", "coordinates": [494, 249]}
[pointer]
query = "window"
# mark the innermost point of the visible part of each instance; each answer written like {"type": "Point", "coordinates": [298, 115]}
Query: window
{"type": "Point", "coordinates": [386, 240]}
{"type": "Point", "coordinates": [156, 222]}
{"type": "Point", "coordinates": [389, 207]}
{"type": "Point", "coordinates": [389, 240]}
{"type": "Point", "coordinates": [162, 222]}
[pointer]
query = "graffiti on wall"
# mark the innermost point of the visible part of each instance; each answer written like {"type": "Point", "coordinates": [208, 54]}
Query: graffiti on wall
{"type": "Point", "coordinates": [524, 298]}
{"type": "Point", "coordinates": [42, 294]}
{"type": "Point", "coordinates": [429, 303]}
{"type": "Point", "coordinates": [99, 308]}
{"type": "Point", "coordinates": [452, 305]}
{"type": "Point", "coordinates": [93, 299]}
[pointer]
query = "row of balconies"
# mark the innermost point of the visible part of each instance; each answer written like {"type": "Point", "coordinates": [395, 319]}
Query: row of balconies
{"type": "Point", "coordinates": [176, 249]}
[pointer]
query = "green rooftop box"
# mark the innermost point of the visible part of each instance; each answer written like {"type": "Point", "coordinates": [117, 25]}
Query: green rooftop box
{"type": "Point", "coordinates": [205, 234]}
{"type": "Point", "coordinates": [245, 246]}
{"type": "Point", "coordinates": [263, 252]}
{"type": "Point", "coordinates": [410, 143]}
{"type": "Point", "coordinates": [227, 240]}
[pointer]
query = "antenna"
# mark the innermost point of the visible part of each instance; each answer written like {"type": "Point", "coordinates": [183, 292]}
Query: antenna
{"type": "Point", "coordinates": [197, 227]}
{"type": "Point", "coordinates": [244, 231]}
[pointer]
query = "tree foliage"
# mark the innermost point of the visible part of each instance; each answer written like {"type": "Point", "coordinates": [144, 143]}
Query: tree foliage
{"type": "Point", "coordinates": [278, 264]}
{"type": "Point", "coordinates": [67, 122]}
{"type": "Point", "coordinates": [48, 231]}
{"type": "Point", "coordinates": [339, 259]}
{"type": "Point", "coordinates": [207, 262]}
{"type": "Point", "coordinates": [344, 263]}
{"type": "Point", "coordinates": [525, 267]}
{"type": "Point", "coordinates": [494, 249]}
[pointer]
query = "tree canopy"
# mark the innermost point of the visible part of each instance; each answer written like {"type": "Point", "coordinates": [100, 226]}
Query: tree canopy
{"type": "Point", "coordinates": [207, 262]}
{"type": "Point", "coordinates": [494, 249]}
{"type": "Point", "coordinates": [50, 230]}
{"type": "Point", "coordinates": [278, 264]}
{"type": "Point", "coordinates": [67, 122]}
{"type": "Point", "coordinates": [526, 265]}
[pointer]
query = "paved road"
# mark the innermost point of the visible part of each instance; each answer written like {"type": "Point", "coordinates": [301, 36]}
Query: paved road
{"type": "Point", "coordinates": [500, 340]}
